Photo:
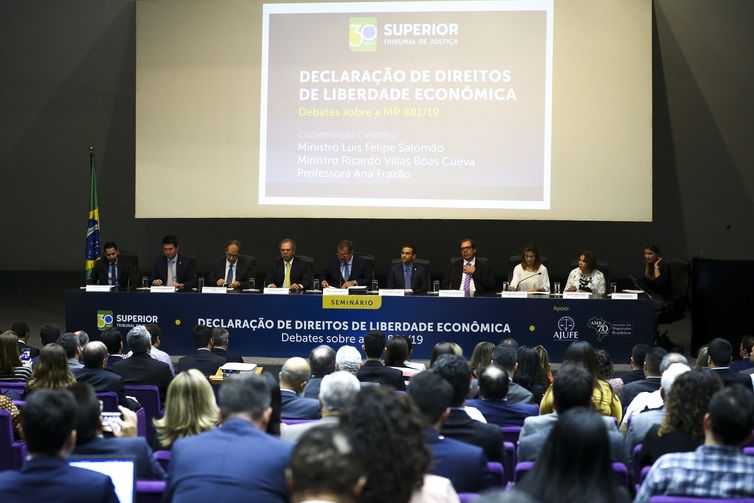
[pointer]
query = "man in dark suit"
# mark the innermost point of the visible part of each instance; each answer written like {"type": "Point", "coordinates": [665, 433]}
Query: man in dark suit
{"type": "Point", "coordinates": [232, 270]}
{"type": "Point", "coordinates": [101, 379]}
{"type": "Point", "coordinates": [719, 354]}
{"type": "Point", "coordinates": [346, 269]}
{"type": "Point", "coordinates": [293, 377]}
{"type": "Point", "coordinates": [21, 329]}
{"type": "Point", "coordinates": [112, 269]}
{"type": "Point", "coordinates": [171, 269]}
{"type": "Point", "coordinates": [464, 464]}
{"type": "Point", "coordinates": [237, 461]}
{"type": "Point", "coordinates": [469, 273]}
{"type": "Point", "coordinates": [651, 381]}
{"type": "Point", "coordinates": [638, 354]}
{"type": "Point", "coordinates": [373, 369]}
{"type": "Point", "coordinates": [140, 368]}
{"type": "Point", "coordinates": [493, 387]}
{"type": "Point", "coordinates": [220, 343]}
{"type": "Point", "coordinates": [48, 423]}
{"type": "Point", "coordinates": [322, 363]}
{"type": "Point", "coordinates": [113, 341]}
{"type": "Point", "coordinates": [287, 271]}
{"type": "Point", "coordinates": [203, 360]}
{"type": "Point", "coordinates": [458, 425]}
{"type": "Point", "coordinates": [408, 275]}
{"type": "Point", "coordinates": [90, 441]}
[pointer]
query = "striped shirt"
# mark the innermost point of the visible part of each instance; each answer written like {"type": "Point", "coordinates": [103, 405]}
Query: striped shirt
{"type": "Point", "coordinates": [19, 374]}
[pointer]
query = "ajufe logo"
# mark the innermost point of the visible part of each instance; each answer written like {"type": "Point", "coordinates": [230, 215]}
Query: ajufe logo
{"type": "Point", "coordinates": [565, 330]}
{"type": "Point", "coordinates": [362, 34]}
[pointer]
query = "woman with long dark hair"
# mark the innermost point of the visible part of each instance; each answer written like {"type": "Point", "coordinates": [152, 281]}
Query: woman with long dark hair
{"type": "Point", "coordinates": [11, 368]}
{"type": "Point", "coordinates": [530, 374]}
{"type": "Point", "coordinates": [531, 274]}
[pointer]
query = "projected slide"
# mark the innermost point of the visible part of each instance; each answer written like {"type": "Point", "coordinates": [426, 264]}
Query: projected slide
{"type": "Point", "coordinates": [416, 104]}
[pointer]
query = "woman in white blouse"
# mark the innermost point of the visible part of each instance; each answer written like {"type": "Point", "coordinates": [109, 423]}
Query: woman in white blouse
{"type": "Point", "coordinates": [586, 277]}
{"type": "Point", "coordinates": [530, 275]}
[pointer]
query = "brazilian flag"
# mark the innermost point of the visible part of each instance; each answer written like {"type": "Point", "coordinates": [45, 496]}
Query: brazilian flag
{"type": "Point", "coordinates": [92, 224]}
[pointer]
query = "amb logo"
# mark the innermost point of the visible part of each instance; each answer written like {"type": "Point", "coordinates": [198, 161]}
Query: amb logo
{"type": "Point", "coordinates": [105, 320]}
{"type": "Point", "coordinates": [601, 326]}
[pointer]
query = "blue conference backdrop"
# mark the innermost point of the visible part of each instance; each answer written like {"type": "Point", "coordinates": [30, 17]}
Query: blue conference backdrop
{"type": "Point", "coordinates": [286, 325]}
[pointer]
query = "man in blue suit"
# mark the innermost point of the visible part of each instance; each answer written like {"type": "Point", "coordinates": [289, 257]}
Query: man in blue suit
{"type": "Point", "coordinates": [493, 387]}
{"type": "Point", "coordinates": [172, 269]}
{"type": "Point", "coordinates": [346, 269]}
{"type": "Point", "coordinates": [101, 379]}
{"type": "Point", "coordinates": [237, 461]}
{"type": "Point", "coordinates": [464, 464]}
{"type": "Point", "coordinates": [203, 359]}
{"type": "Point", "coordinates": [408, 275]}
{"type": "Point", "coordinates": [293, 378]}
{"type": "Point", "coordinates": [48, 424]}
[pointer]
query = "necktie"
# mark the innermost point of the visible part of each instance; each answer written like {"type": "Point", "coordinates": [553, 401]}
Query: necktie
{"type": "Point", "coordinates": [113, 275]}
{"type": "Point", "coordinates": [287, 280]}
{"type": "Point", "coordinates": [407, 277]}
{"type": "Point", "coordinates": [346, 271]}
{"type": "Point", "coordinates": [467, 280]}
{"type": "Point", "coordinates": [229, 279]}
{"type": "Point", "coordinates": [171, 272]}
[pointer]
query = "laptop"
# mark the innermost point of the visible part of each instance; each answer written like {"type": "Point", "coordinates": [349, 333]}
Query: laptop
{"type": "Point", "coordinates": [120, 468]}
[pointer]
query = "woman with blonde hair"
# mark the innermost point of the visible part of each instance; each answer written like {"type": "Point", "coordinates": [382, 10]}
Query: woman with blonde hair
{"type": "Point", "coordinates": [190, 409]}
{"type": "Point", "coordinates": [51, 370]}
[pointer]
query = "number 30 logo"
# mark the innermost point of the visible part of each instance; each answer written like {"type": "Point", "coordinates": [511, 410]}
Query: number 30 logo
{"type": "Point", "coordinates": [362, 34]}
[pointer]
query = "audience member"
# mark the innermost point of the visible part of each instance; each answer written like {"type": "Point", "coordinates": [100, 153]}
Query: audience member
{"type": "Point", "coordinates": [493, 388]}
{"type": "Point", "coordinates": [544, 361]}
{"type": "Point", "coordinates": [21, 329]}
{"type": "Point", "coordinates": [49, 333]}
{"type": "Point", "coordinates": [336, 392]}
{"type": "Point", "coordinates": [48, 422]}
{"type": "Point", "coordinates": [156, 352]}
{"type": "Point", "coordinates": [373, 370]}
{"type": "Point", "coordinates": [744, 352]}
{"type": "Point", "coordinates": [190, 409]}
{"type": "Point", "coordinates": [604, 400]}
{"type": "Point", "coordinates": [505, 356]}
{"type": "Point", "coordinates": [574, 465]}
{"type": "Point", "coordinates": [348, 359]}
{"type": "Point", "coordinates": [237, 461]}
{"type": "Point", "coordinates": [101, 379]}
{"type": "Point", "coordinates": [481, 357]}
{"type": "Point", "coordinates": [203, 359]}
{"type": "Point", "coordinates": [322, 363]}
{"type": "Point", "coordinates": [464, 464]}
{"type": "Point", "coordinates": [293, 377]}
{"type": "Point", "coordinates": [6, 403]}
{"type": "Point", "coordinates": [573, 387]}
{"type": "Point", "coordinates": [638, 354]}
{"type": "Point", "coordinates": [396, 353]}
{"type": "Point", "coordinates": [652, 374]}
{"type": "Point", "coordinates": [647, 400]}
{"type": "Point", "coordinates": [90, 440]}
{"type": "Point", "coordinates": [113, 341]}
{"type": "Point", "coordinates": [83, 337]}
{"type": "Point", "coordinates": [386, 429]}
{"type": "Point", "coordinates": [719, 354]}
{"type": "Point", "coordinates": [11, 368]}
{"type": "Point", "coordinates": [140, 368]}
{"type": "Point", "coordinates": [529, 373]}
{"type": "Point", "coordinates": [274, 425]}
{"type": "Point", "coordinates": [325, 467]}
{"type": "Point", "coordinates": [717, 469]}
{"type": "Point", "coordinates": [681, 429]}
{"type": "Point", "coordinates": [606, 373]}
{"type": "Point", "coordinates": [443, 348]}
{"type": "Point", "coordinates": [70, 343]}
{"type": "Point", "coordinates": [459, 425]}
{"type": "Point", "coordinates": [51, 370]}
{"type": "Point", "coordinates": [220, 343]}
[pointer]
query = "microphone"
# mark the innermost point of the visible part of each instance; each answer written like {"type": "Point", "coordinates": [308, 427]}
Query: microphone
{"type": "Point", "coordinates": [528, 277]}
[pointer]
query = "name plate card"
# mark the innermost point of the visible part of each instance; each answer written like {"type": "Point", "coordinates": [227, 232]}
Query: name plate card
{"type": "Point", "coordinates": [392, 292]}
{"type": "Point", "coordinates": [161, 289]}
{"type": "Point", "coordinates": [335, 291]}
{"type": "Point", "coordinates": [624, 296]}
{"type": "Point", "coordinates": [452, 293]}
{"type": "Point", "coordinates": [214, 289]}
{"type": "Point", "coordinates": [577, 295]}
{"type": "Point", "coordinates": [99, 288]}
{"type": "Point", "coordinates": [514, 295]}
{"type": "Point", "coordinates": [276, 291]}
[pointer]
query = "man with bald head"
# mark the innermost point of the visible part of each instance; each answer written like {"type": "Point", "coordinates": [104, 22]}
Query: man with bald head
{"type": "Point", "coordinates": [493, 387]}
{"type": "Point", "coordinates": [322, 363]}
{"type": "Point", "coordinates": [101, 379]}
{"type": "Point", "coordinates": [293, 378]}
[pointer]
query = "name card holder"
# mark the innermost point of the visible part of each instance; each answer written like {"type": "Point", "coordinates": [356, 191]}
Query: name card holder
{"type": "Point", "coordinates": [624, 296]}
{"type": "Point", "coordinates": [161, 289]}
{"type": "Point", "coordinates": [335, 291]}
{"type": "Point", "coordinates": [514, 295]}
{"type": "Point", "coordinates": [577, 295]}
{"type": "Point", "coordinates": [99, 288]}
{"type": "Point", "coordinates": [392, 292]}
{"type": "Point", "coordinates": [214, 289]}
{"type": "Point", "coordinates": [452, 293]}
{"type": "Point", "coordinates": [276, 291]}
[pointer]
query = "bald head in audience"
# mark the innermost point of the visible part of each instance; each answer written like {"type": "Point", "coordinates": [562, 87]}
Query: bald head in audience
{"type": "Point", "coordinates": [294, 374]}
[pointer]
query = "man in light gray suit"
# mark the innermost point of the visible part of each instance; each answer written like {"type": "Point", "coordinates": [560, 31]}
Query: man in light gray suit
{"type": "Point", "coordinates": [335, 392]}
{"type": "Point", "coordinates": [572, 388]}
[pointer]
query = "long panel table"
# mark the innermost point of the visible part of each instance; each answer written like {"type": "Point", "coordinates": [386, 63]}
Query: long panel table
{"type": "Point", "coordinates": [287, 325]}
